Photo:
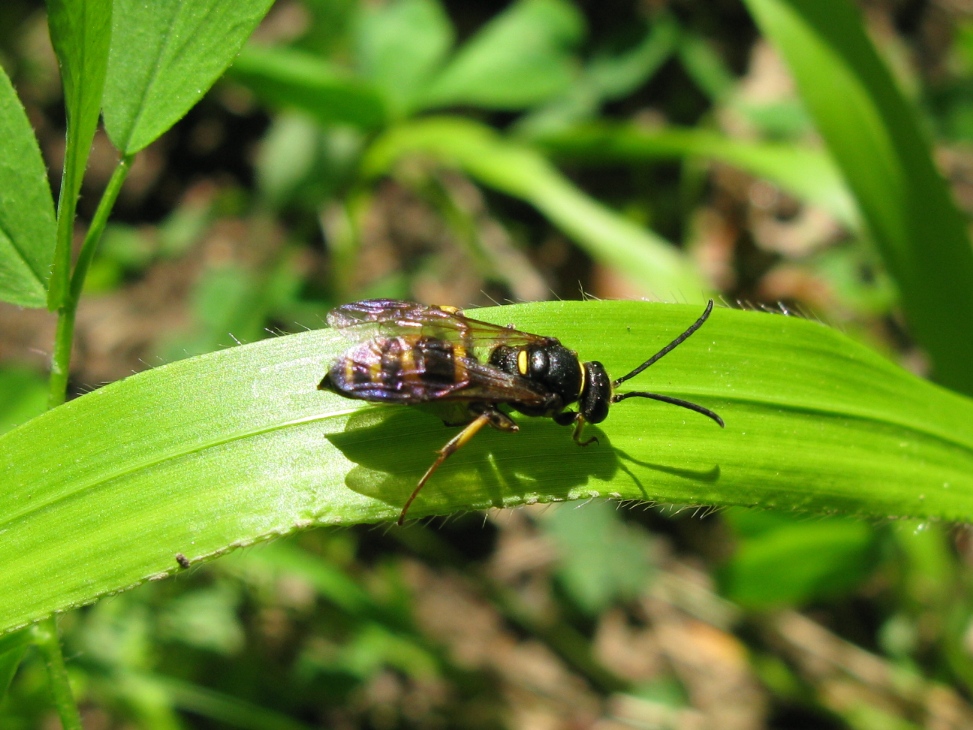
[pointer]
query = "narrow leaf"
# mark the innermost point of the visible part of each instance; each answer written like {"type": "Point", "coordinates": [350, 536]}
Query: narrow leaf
{"type": "Point", "coordinates": [165, 55]}
{"type": "Point", "coordinates": [27, 228]}
{"type": "Point", "coordinates": [809, 175]}
{"type": "Point", "coordinates": [236, 446]}
{"type": "Point", "coordinates": [875, 137]}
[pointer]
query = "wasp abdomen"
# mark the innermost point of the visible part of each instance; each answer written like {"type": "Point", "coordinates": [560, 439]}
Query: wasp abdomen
{"type": "Point", "coordinates": [405, 369]}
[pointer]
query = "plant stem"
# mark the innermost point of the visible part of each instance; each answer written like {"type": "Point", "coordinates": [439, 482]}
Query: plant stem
{"type": "Point", "coordinates": [61, 359]}
{"type": "Point", "coordinates": [46, 639]}
{"type": "Point", "coordinates": [66, 206]}
{"type": "Point", "coordinates": [97, 228]}
{"type": "Point", "coordinates": [64, 336]}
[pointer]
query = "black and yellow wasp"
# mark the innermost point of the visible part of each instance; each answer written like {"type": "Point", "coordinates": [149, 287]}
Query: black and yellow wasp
{"type": "Point", "coordinates": [412, 354]}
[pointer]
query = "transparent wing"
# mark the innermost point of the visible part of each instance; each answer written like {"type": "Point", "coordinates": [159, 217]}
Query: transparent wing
{"type": "Point", "coordinates": [392, 317]}
{"type": "Point", "coordinates": [373, 311]}
{"type": "Point", "coordinates": [491, 384]}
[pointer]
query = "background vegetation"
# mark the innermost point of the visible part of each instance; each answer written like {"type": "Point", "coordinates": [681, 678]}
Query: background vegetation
{"type": "Point", "coordinates": [793, 156]}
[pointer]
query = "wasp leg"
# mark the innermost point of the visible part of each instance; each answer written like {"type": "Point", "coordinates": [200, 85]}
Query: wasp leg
{"type": "Point", "coordinates": [566, 418]}
{"type": "Point", "coordinates": [578, 426]}
{"type": "Point", "coordinates": [489, 417]}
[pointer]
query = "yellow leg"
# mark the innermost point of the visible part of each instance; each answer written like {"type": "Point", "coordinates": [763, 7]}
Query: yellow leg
{"type": "Point", "coordinates": [492, 418]}
{"type": "Point", "coordinates": [578, 427]}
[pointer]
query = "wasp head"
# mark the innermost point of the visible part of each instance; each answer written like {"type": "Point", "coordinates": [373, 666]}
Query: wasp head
{"type": "Point", "coordinates": [596, 395]}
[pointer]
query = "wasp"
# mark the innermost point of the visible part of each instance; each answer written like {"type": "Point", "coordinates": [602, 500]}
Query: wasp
{"type": "Point", "coordinates": [412, 354]}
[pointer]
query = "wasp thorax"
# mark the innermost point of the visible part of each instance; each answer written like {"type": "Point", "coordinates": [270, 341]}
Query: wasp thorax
{"type": "Point", "coordinates": [558, 369]}
{"type": "Point", "coordinates": [552, 366]}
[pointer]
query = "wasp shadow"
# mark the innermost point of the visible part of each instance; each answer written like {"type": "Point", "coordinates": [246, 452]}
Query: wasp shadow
{"type": "Point", "coordinates": [392, 449]}
{"type": "Point", "coordinates": [706, 476]}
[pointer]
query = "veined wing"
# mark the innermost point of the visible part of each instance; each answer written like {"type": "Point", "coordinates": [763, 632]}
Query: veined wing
{"type": "Point", "coordinates": [392, 317]}
{"type": "Point", "coordinates": [491, 384]}
{"type": "Point", "coordinates": [374, 311]}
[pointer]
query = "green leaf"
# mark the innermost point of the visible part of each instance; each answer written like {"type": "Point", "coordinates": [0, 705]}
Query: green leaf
{"type": "Point", "coordinates": [23, 395]}
{"type": "Point", "coordinates": [400, 45]}
{"type": "Point", "coordinates": [649, 261]}
{"type": "Point", "coordinates": [705, 67]}
{"type": "Point", "coordinates": [601, 559]}
{"type": "Point", "coordinates": [165, 55]}
{"type": "Point", "coordinates": [799, 562]}
{"type": "Point", "coordinates": [27, 228]}
{"type": "Point", "coordinates": [81, 36]}
{"type": "Point", "coordinates": [236, 446]}
{"type": "Point", "coordinates": [807, 174]}
{"type": "Point", "coordinates": [606, 77]}
{"type": "Point", "coordinates": [615, 77]}
{"type": "Point", "coordinates": [876, 139]}
{"type": "Point", "coordinates": [518, 60]}
{"type": "Point", "coordinates": [299, 80]}
{"type": "Point", "coordinates": [9, 662]}
{"type": "Point", "coordinates": [153, 698]}
{"type": "Point", "coordinates": [301, 163]}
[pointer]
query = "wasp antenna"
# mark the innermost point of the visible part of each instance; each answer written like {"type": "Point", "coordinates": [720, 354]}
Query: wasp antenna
{"type": "Point", "coordinates": [674, 401]}
{"type": "Point", "coordinates": [668, 348]}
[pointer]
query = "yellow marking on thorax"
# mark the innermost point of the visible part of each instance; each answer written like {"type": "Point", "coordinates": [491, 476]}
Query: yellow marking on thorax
{"type": "Point", "coordinates": [584, 374]}
{"type": "Point", "coordinates": [523, 367]}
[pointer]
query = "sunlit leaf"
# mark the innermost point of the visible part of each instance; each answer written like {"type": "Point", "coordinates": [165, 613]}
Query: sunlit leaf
{"type": "Point", "coordinates": [165, 56]}
{"type": "Point", "coordinates": [27, 227]}
{"type": "Point", "coordinates": [222, 450]}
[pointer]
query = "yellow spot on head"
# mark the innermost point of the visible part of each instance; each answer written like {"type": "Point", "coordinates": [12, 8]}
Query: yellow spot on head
{"type": "Point", "coordinates": [522, 364]}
